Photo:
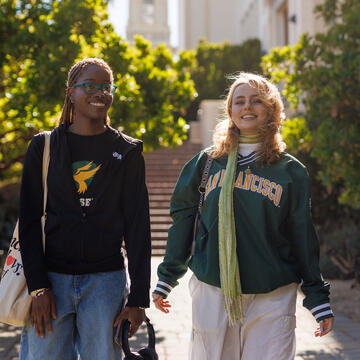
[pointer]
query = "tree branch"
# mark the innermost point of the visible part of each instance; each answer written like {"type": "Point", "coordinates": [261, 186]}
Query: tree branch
{"type": "Point", "coordinates": [3, 134]}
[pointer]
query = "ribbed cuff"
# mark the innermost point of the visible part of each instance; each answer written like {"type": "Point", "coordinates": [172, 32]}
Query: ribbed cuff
{"type": "Point", "coordinates": [322, 312]}
{"type": "Point", "coordinates": [163, 289]}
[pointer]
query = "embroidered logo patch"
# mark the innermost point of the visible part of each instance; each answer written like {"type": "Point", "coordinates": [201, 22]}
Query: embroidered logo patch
{"type": "Point", "coordinates": [117, 155]}
{"type": "Point", "coordinates": [83, 174]}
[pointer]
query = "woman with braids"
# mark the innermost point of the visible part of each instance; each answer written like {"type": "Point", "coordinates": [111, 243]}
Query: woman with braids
{"type": "Point", "coordinates": [97, 198]}
{"type": "Point", "coordinates": [256, 240]}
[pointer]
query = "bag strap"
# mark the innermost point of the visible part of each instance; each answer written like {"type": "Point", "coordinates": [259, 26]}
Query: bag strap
{"type": "Point", "coordinates": [204, 179]}
{"type": "Point", "coordinates": [45, 167]}
{"type": "Point", "coordinates": [202, 189]}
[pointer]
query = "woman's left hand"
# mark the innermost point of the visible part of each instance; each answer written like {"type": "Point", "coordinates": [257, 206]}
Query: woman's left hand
{"type": "Point", "coordinates": [135, 315]}
{"type": "Point", "coordinates": [325, 327]}
{"type": "Point", "coordinates": [160, 303]}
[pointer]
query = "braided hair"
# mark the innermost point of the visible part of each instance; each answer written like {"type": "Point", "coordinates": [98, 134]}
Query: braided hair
{"type": "Point", "coordinates": [67, 113]}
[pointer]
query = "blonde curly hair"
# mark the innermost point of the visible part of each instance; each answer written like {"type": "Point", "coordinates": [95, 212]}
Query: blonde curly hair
{"type": "Point", "coordinates": [226, 134]}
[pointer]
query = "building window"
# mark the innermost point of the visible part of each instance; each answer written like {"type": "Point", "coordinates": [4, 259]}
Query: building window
{"type": "Point", "coordinates": [148, 12]}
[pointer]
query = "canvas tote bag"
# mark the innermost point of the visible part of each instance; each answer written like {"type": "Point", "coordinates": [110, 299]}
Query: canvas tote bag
{"type": "Point", "coordinates": [15, 300]}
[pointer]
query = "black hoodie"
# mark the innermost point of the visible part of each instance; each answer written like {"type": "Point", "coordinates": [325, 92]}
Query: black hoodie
{"type": "Point", "coordinates": [79, 241]}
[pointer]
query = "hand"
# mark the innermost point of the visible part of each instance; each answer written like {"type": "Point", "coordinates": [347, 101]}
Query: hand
{"type": "Point", "coordinates": [160, 303]}
{"type": "Point", "coordinates": [325, 327]}
{"type": "Point", "coordinates": [135, 315]}
{"type": "Point", "coordinates": [41, 309]}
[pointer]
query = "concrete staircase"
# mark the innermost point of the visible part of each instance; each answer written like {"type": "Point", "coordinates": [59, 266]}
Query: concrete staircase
{"type": "Point", "coordinates": [163, 167]}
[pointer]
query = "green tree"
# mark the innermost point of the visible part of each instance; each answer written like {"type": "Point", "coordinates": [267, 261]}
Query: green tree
{"type": "Point", "coordinates": [154, 92]}
{"type": "Point", "coordinates": [214, 62]}
{"type": "Point", "coordinates": [41, 39]}
{"type": "Point", "coordinates": [320, 80]}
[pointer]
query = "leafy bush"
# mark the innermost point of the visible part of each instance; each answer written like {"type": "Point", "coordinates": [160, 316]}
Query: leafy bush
{"type": "Point", "coordinates": [214, 62]}
{"type": "Point", "coordinates": [320, 79]}
{"type": "Point", "coordinates": [41, 39]}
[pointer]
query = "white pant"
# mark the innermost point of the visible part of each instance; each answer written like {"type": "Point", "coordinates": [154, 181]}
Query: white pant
{"type": "Point", "coordinates": [268, 332]}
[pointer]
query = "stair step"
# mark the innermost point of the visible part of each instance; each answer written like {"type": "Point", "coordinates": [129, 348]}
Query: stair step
{"type": "Point", "coordinates": [160, 219]}
{"type": "Point", "coordinates": [160, 185]}
{"type": "Point", "coordinates": [158, 211]}
{"type": "Point", "coordinates": [159, 244]}
{"type": "Point", "coordinates": [160, 197]}
{"type": "Point", "coordinates": [160, 178]}
{"type": "Point", "coordinates": [161, 191]}
{"type": "Point", "coordinates": [158, 252]}
{"type": "Point", "coordinates": [160, 227]}
{"type": "Point", "coordinates": [163, 172]}
{"type": "Point", "coordinates": [159, 235]}
{"type": "Point", "coordinates": [159, 204]}
{"type": "Point", "coordinates": [163, 167]}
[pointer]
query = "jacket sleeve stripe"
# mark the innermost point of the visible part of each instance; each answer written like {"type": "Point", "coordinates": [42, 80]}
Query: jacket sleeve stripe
{"type": "Point", "coordinates": [327, 312]}
{"type": "Point", "coordinates": [164, 284]}
{"type": "Point", "coordinates": [162, 291]}
{"type": "Point", "coordinates": [317, 308]}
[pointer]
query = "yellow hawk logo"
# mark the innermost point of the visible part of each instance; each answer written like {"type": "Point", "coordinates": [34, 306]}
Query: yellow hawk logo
{"type": "Point", "coordinates": [82, 174]}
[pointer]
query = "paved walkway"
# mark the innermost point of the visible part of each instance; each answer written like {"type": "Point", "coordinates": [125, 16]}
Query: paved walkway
{"type": "Point", "coordinates": [173, 331]}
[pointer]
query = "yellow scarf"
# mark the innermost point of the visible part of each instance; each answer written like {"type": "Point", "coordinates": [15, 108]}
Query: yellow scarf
{"type": "Point", "coordinates": [250, 139]}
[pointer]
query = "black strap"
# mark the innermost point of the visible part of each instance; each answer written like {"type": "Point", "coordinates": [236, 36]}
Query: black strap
{"type": "Point", "coordinates": [202, 189]}
{"type": "Point", "coordinates": [204, 179]}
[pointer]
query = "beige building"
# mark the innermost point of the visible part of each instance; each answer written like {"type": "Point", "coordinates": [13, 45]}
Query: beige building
{"type": "Point", "coordinates": [274, 22]}
{"type": "Point", "coordinates": [149, 18]}
{"type": "Point", "coordinates": [215, 20]}
{"type": "Point", "coordinates": [278, 22]}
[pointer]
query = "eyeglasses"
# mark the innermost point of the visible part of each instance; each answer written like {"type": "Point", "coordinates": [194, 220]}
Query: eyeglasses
{"type": "Point", "coordinates": [92, 88]}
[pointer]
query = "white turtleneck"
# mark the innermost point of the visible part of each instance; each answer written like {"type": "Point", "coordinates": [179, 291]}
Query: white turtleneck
{"type": "Point", "coordinates": [247, 149]}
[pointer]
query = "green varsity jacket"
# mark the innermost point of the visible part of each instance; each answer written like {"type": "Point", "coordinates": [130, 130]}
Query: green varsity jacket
{"type": "Point", "coordinates": [276, 239]}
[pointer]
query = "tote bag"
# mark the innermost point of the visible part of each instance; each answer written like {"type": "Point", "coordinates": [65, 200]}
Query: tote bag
{"type": "Point", "coordinates": [15, 300]}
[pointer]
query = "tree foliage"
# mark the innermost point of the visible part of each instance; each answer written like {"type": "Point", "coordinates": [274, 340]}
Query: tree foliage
{"type": "Point", "coordinates": [216, 61]}
{"type": "Point", "coordinates": [41, 39]}
{"type": "Point", "coordinates": [321, 79]}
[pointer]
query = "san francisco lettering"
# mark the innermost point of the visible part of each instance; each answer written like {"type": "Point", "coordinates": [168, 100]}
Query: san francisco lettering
{"type": "Point", "coordinates": [248, 182]}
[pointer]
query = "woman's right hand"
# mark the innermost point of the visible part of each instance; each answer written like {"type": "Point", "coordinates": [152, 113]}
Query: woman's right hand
{"type": "Point", "coordinates": [42, 308]}
{"type": "Point", "coordinates": [160, 303]}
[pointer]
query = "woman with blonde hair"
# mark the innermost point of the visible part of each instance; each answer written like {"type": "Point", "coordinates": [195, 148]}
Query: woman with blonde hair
{"type": "Point", "coordinates": [255, 241]}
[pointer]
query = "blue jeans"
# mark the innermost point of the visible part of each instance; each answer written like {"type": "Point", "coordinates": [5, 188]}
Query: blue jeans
{"type": "Point", "coordinates": [86, 309]}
